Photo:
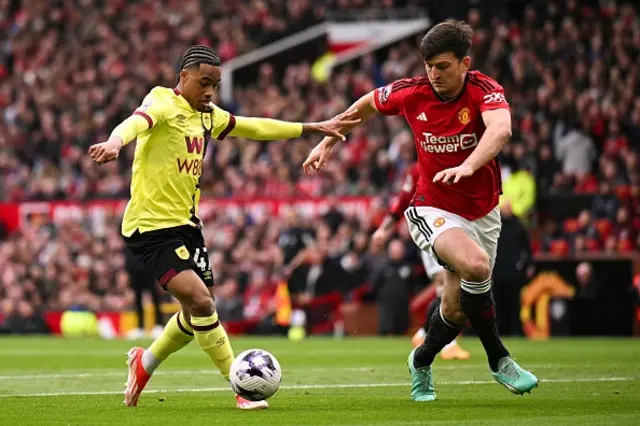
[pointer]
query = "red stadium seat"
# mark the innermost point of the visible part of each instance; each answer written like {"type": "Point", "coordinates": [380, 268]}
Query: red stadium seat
{"type": "Point", "coordinates": [604, 226]}
{"type": "Point", "coordinates": [592, 244]}
{"type": "Point", "coordinates": [570, 226]}
{"type": "Point", "coordinates": [559, 247]}
{"type": "Point", "coordinates": [625, 245]}
{"type": "Point", "coordinates": [536, 247]}
{"type": "Point", "coordinates": [623, 192]}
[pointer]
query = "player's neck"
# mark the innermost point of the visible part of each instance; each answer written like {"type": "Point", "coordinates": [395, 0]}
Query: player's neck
{"type": "Point", "coordinates": [178, 91]}
{"type": "Point", "coordinates": [454, 93]}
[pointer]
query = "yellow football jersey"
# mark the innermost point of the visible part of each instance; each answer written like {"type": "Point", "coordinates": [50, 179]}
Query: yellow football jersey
{"type": "Point", "coordinates": [168, 161]}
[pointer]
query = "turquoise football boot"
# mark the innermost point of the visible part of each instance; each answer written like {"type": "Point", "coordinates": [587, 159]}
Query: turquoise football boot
{"type": "Point", "coordinates": [513, 377]}
{"type": "Point", "coordinates": [421, 381]}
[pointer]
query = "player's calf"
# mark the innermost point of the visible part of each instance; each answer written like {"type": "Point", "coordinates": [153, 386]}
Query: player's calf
{"type": "Point", "coordinates": [211, 336]}
{"type": "Point", "coordinates": [441, 332]}
{"type": "Point", "coordinates": [453, 312]}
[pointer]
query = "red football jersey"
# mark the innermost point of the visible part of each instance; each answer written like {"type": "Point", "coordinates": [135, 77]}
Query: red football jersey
{"type": "Point", "coordinates": [445, 133]}
{"type": "Point", "coordinates": [406, 191]}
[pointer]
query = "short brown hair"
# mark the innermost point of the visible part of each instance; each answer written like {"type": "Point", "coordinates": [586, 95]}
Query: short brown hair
{"type": "Point", "coordinates": [447, 36]}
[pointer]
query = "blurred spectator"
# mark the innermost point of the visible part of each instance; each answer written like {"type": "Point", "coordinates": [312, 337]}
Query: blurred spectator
{"type": "Point", "coordinates": [586, 313]}
{"type": "Point", "coordinates": [605, 204]}
{"type": "Point", "coordinates": [392, 282]}
{"type": "Point", "coordinates": [520, 191]}
{"type": "Point", "coordinates": [322, 274]}
{"type": "Point", "coordinates": [514, 267]}
{"type": "Point", "coordinates": [229, 301]}
{"type": "Point", "coordinates": [142, 281]}
{"type": "Point", "coordinates": [576, 150]}
{"type": "Point", "coordinates": [22, 317]}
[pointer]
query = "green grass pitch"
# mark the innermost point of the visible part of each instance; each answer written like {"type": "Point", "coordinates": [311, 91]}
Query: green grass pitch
{"type": "Point", "coordinates": [359, 381]}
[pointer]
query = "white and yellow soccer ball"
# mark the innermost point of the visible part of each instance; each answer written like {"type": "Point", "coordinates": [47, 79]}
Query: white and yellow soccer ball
{"type": "Point", "coordinates": [255, 375]}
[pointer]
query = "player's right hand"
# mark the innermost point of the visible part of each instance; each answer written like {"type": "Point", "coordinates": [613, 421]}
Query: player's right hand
{"type": "Point", "coordinates": [335, 126]}
{"type": "Point", "coordinates": [106, 151]}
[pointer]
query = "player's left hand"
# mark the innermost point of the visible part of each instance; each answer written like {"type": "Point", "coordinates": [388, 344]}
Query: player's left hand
{"type": "Point", "coordinates": [455, 173]}
{"type": "Point", "coordinates": [318, 157]}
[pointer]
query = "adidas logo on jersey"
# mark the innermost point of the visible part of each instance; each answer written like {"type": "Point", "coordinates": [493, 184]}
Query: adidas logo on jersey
{"type": "Point", "coordinates": [422, 116]}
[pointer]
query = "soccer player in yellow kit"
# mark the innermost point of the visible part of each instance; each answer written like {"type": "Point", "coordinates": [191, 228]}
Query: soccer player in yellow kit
{"type": "Point", "coordinates": [161, 225]}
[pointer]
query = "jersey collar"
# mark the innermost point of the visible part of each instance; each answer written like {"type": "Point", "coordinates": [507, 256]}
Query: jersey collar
{"type": "Point", "coordinates": [176, 91]}
{"type": "Point", "coordinates": [456, 97]}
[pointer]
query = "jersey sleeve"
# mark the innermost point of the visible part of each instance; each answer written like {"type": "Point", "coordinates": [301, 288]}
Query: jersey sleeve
{"type": "Point", "coordinates": [154, 108]}
{"type": "Point", "coordinates": [488, 94]}
{"type": "Point", "coordinates": [389, 99]}
{"type": "Point", "coordinates": [223, 123]}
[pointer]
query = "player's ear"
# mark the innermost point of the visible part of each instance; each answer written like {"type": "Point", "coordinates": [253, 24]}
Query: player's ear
{"type": "Point", "coordinates": [184, 75]}
{"type": "Point", "coordinates": [466, 63]}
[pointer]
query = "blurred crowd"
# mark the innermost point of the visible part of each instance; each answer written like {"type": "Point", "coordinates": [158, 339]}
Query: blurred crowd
{"type": "Point", "coordinates": [71, 70]}
{"type": "Point", "coordinates": [69, 74]}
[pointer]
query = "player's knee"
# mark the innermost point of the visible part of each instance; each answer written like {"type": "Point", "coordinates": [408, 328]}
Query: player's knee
{"type": "Point", "coordinates": [452, 313]}
{"type": "Point", "coordinates": [201, 304]}
{"type": "Point", "coordinates": [477, 268]}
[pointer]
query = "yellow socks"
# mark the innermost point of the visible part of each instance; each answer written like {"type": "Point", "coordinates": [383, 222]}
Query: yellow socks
{"type": "Point", "coordinates": [176, 335]}
{"type": "Point", "coordinates": [209, 334]}
{"type": "Point", "coordinates": [213, 339]}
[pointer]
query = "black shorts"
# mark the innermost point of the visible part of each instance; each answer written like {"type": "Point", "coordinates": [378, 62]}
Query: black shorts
{"type": "Point", "coordinates": [167, 252]}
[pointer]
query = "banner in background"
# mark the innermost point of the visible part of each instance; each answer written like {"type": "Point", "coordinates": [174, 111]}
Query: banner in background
{"type": "Point", "coordinates": [16, 215]}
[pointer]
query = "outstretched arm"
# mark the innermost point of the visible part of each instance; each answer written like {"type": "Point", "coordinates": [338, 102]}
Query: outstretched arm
{"type": "Point", "coordinates": [362, 109]}
{"type": "Point", "coordinates": [266, 129]}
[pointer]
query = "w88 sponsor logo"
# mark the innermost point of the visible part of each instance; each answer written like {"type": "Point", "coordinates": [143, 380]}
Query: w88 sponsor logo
{"type": "Point", "coordinates": [444, 144]}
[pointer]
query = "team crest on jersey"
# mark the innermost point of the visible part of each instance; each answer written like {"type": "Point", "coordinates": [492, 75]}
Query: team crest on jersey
{"type": "Point", "coordinates": [383, 94]}
{"type": "Point", "coordinates": [438, 222]}
{"type": "Point", "coordinates": [182, 252]}
{"type": "Point", "coordinates": [464, 115]}
{"type": "Point", "coordinates": [181, 118]}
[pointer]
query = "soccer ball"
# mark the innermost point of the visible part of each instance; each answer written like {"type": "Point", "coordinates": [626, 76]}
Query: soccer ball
{"type": "Point", "coordinates": [255, 375]}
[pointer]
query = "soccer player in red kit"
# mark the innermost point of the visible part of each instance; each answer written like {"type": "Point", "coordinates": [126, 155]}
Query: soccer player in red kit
{"type": "Point", "coordinates": [460, 120]}
{"type": "Point", "coordinates": [433, 269]}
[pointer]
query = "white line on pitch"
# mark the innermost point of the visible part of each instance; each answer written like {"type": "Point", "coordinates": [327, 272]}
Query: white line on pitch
{"type": "Point", "coordinates": [312, 352]}
{"type": "Point", "coordinates": [330, 386]}
{"type": "Point", "coordinates": [123, 372]}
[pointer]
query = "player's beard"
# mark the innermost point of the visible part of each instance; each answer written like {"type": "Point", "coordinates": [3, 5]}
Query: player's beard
{"type": "Point", "coordinates": [448, 92]}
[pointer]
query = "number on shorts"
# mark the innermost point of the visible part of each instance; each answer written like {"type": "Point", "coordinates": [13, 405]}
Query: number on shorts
{"type": "Point", "coordinates": [201, 261]}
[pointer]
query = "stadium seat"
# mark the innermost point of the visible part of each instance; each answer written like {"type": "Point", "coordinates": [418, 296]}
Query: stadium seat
{"type": "Point", "coordinates": [559, 247]}
{"type": "Point", "coordinates": [623, 192]}
{"type": "Point", "coordinates": [592, 244]}
{"type": "Point", "coordinates": [570, 226]}
{"type": "Point", "coordinates": [604, 227]}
